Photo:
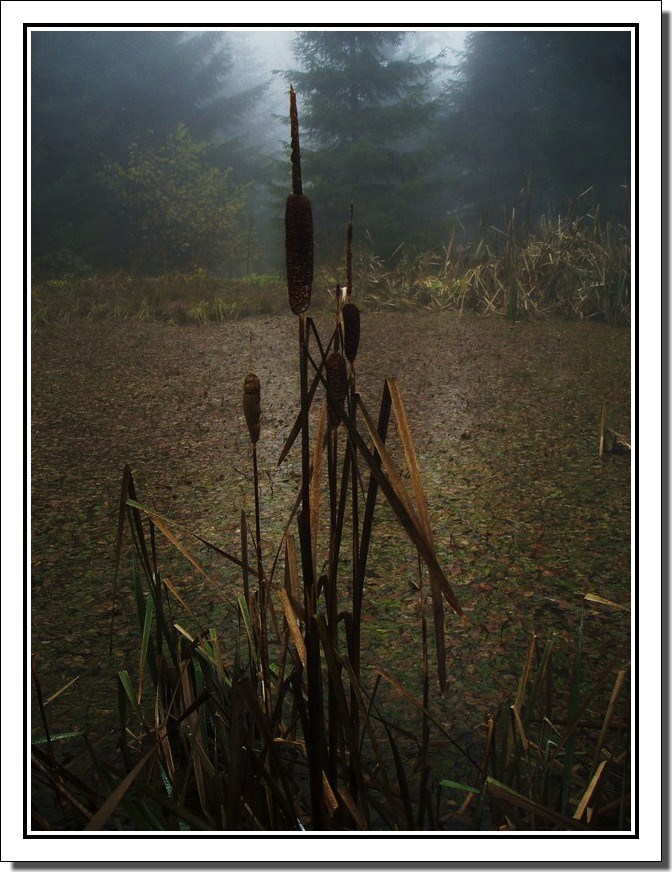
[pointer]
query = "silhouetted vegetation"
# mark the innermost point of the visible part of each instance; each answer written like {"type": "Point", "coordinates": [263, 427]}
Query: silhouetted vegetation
{"type": "Point", "coordinates": [537, 119]}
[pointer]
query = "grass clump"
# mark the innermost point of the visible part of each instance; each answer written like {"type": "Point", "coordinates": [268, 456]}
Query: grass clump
{"type": "Point", "coordinates": [558, 757]}
{"type": "Point", "coordinates": [178, 298]}
{"type": "Point", "coordinates": [570, 267]}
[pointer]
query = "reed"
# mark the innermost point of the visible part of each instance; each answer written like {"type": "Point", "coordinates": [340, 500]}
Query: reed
{"type": "Point", "coordinates": [568, 267]}
{"type": "Point", "coordinates": [281, 733]}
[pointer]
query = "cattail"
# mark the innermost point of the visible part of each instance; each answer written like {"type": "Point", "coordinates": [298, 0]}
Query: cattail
{"type": "Point", "coordinates": [350, 313]}
{"type": "Point", "coordinates": [337, 385]}
{"type": "Point", "coordinates": [252, 405]}
{"type": "Point", "coordinates": [348, 253]}
{"type": "Point", "coordinates": [298, 226]}
{"type": "Point", "coordinates": [297, 184]}
{"type": "Point", "coordinates": [299, 251]}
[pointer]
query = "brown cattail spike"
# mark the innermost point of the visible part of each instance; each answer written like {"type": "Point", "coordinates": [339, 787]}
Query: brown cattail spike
{"type": "Point", "coordinates": [337, 385]}
{"type": "Point", "coordinates": [350, 313]}
{"type": "Point", "coordinates": [252, 406]}
{"type": "Point", "coordinates": [297, 184]}
{"type": "Point", "coordinates": [299, 251]}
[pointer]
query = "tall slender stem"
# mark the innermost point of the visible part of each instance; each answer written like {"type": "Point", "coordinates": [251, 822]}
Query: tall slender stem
{"type": "Point", "coordinates": [332, 598]}
{"type": "Point", "coordinates": [263, 592]}
{"type": "Point", "coordinates": [315, 737]}
{"type": "Point", "coordinates": [357, 589]}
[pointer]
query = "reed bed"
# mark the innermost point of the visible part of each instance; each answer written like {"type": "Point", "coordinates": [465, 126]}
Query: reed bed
{"type": "Point", "coordinates": [568, 267]}
{"type": "Point", "coordinates": [571, 268]}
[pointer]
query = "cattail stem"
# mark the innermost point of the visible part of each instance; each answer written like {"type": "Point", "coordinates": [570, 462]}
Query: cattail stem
{"type": "Point", "coordinates": [298, 226]}
{"type": "Point", "coordinates": [305, 434]}
{"type": "Point", "coordinates": [315, 737]}
{"type": "Point", "coordinates": [257, 519]}
{"type": "Point", "coordinates": [348, 255]}
{"type": "Point", "coordinates": [263, 592]}
{"type": "Point", "coordinates": [357, 590]}
{"type": "Point", "coordinates": [424, 748]}
{"type": "Point", "coordinates": [332, 600]}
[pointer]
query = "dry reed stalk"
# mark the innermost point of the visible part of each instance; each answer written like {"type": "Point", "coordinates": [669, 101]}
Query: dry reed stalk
{"type": "Point", "coordinates": [337, 386]}
{"type": "Point", "coordinates": [299, 262]}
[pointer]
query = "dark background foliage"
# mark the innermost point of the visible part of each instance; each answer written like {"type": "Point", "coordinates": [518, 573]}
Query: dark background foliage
{"type": "Point", "coordinates": [538, 118]}
{"type": "Point", "coordinates": [422, 141]}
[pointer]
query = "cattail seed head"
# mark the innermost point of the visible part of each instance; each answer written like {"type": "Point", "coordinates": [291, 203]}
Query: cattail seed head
{"type": "Point", "coordinates": [299, 251]}
{"type": "Point", "coordinates": [350, 313]}
{"type": "Point", "coordinates": [252, 406]}
{"type": "Point", "coordinates": [337, 385]}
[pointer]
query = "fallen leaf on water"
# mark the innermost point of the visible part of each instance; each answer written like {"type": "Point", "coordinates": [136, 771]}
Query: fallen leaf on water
{"type": "Point", "coordinates": [594, 598]}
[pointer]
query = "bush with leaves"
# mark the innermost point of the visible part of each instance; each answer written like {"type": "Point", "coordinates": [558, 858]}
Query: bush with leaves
{"type": "Point", "coordinates": [179, 210]}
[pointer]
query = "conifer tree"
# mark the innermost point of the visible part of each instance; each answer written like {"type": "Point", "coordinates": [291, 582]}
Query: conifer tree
{"type": "Point", "coordinates": [365, 112]}
{"type": "Point", "coordinates": [551, 107]}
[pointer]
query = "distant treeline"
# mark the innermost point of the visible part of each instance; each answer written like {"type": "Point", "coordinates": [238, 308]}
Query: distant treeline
{"type": "Point", "coordinates": [154, 151]}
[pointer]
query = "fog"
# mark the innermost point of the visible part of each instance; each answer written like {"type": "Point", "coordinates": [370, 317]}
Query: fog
{"type": "Point", "coordinates": [432, 134]}
{"type": "Point", "coordinates": [261, 56]}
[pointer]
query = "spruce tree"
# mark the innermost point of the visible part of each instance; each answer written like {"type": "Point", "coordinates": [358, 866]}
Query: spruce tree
{"type": "Point", "coordinates": [551, 107]}
{"type": "Point", "coordinates": [365, 110]}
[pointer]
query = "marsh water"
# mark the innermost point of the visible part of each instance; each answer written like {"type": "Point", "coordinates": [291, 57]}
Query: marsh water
{"type": "Point", "coordinates": [526, 516]}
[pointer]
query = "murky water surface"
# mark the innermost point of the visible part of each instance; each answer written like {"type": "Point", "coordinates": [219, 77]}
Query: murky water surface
{"type": "Point", "coordinates": [505, 418]}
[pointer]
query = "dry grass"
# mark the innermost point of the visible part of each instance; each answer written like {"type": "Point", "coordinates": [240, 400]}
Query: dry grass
{"type": "Point", "coordinates": [568, 267]}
